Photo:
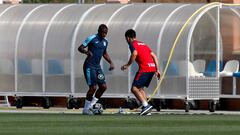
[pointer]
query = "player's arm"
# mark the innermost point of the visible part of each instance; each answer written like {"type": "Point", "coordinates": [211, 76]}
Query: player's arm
{"type": "Point", "coordinates": [155, 59]}
{"type": "Point", "coordinates": [84, 45]}
{"type": "Point", "coordinates": [108, 59]}
{"type": "Point", "coordinates": [130, 61]}
{"type": "Point", "coordinates": [83, 50]}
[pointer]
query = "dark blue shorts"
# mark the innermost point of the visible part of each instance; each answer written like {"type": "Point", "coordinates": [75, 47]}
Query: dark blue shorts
{"type": "Point", "coordinates": [93, 75]}
{"type": "Point", "coordinates": [142, 79]}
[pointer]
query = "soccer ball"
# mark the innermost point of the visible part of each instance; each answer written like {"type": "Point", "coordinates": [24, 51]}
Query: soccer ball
{"type": "Point", "coordinates": [97, 109]}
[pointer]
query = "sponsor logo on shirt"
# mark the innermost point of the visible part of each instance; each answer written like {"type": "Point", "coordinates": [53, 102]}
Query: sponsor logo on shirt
{"type": "Point", "coordinates": [141, 44]}
{"type": "Point", "coordinates": [151, 64]}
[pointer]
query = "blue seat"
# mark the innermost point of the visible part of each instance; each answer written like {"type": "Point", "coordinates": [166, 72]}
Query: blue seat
{"type": "Point", "coordinates": [211, 68]}
{"type": "Point", "coordinates": [173, 69]}
{"type": "Point", "coordinates": [237, 74]}
{"type": "Point", "coordinates": [55, 67]}
{"type": "Point", "coordinates": [24, 66]}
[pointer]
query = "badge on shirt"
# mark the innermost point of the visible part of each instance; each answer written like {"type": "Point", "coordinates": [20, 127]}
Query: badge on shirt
{"type": "Point", "coordinates": [104, 43]}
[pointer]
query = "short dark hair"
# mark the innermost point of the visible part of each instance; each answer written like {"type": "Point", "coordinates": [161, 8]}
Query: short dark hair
{"type": "Point", "coordinates": [130, 33]}
{"type": "Point", "coordinates": [102, 27]}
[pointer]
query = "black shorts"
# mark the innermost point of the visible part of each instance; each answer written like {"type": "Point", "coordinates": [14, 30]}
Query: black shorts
{"type": "Point", "coordinates": [93, 75]}
{"type": "Point", "coordinates": [142, 79]}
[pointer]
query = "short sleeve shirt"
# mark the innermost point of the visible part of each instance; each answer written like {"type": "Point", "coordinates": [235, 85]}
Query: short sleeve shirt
{"type": "Point", "coordinates": [144, 58]}
{"type": "Point", "coordinates": [98, 47]}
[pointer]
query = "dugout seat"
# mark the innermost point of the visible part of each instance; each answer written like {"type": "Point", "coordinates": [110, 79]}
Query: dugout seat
{"type": "Point", "coordinates": [230, 67]}
{"type": "Point", "coordinates": [199, 65]}
{"type": "Point", "coordinates": [192, 72]}
{"type": "Point", "coordinates": [211, 68]}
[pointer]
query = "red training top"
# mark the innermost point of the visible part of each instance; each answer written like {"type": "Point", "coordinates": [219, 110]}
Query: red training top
{"type": "Point", "coordinates": [144, 59]}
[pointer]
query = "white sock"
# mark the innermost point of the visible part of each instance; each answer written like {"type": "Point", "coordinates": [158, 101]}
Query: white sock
{"type": "Point", "coordinates": [94, 101]}
{"type": "Point", "coordinates": [87, 104]}
{"type": "Point", "coordinates": [144, 103]}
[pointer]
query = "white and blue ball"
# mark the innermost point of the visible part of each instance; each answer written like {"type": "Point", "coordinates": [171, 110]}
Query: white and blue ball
{"type": "Point", "coordinates": [97, 109]}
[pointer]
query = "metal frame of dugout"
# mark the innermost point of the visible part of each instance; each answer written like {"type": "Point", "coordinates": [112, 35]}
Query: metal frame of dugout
{"type": "Point", "coordinates": [38, 48]}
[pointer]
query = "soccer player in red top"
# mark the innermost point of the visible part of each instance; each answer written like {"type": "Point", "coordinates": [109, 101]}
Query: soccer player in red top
{"type": "Point", "coordinates": [148, 66]}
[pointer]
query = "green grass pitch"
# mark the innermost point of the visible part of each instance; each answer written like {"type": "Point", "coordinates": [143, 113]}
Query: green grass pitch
{"type": "Point", "coordinates": [157, 124]}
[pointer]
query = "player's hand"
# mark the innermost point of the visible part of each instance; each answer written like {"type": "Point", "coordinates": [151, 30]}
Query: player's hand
{"type": "Point", "coordinates": [111, 67]}
{"type": "Point", "coordinates": [158, 75]}
{"type": "Point", "coordinates": [124, 67]}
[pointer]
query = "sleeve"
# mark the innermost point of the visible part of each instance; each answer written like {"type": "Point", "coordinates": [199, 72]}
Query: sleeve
{"type": "Point", "coordinates": [88, 40]}
{"type": "Point", "coordinates": [131, 47]}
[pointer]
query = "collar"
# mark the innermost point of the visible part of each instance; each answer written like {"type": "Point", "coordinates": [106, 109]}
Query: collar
{"type": "Point", "coordinates": [99, 37]}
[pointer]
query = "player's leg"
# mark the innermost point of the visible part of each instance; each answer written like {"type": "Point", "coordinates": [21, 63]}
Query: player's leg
{"type": "Point", "coordinates": [102, 87]}
{"type": "Point", "coordinates": [146, 109]}
{"type": "Point", "coordinates": [90, 77]}
{"type": "Point", "coordinates": [142, 80]}
{"type": "Point", "coordinates": [138, 85]}
{"type": "Point", "coordinates": [89, 97]}
{"type": "Point", "coordinates": [136, 91]}
{"type": "Point", "coordinates": [140, 95]}
{"type": "Point", "coordinates": [146, 81]}
{"type": "Point", "coordinates": [143, 93]}
{"type": "Point", "coordinates": [139, 82]}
